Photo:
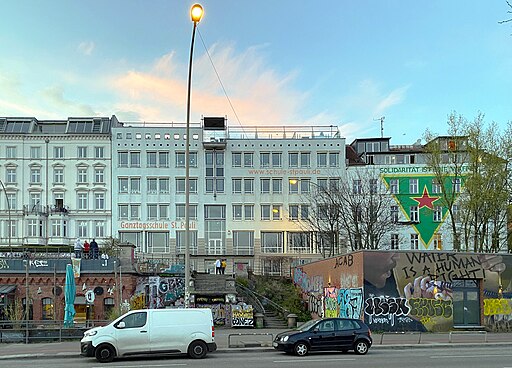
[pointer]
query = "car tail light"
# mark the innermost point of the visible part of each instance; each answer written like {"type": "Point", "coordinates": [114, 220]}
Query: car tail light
{"type": "Point", "coordinates": [213, 331]}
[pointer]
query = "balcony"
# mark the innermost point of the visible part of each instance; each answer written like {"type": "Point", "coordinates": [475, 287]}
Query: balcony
{"type": "Point", "coordinates": [36, 209]}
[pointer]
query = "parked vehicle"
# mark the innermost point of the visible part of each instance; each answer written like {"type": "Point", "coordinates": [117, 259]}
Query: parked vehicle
{"type": "Point", "coordinates": [342, 334]}
{"type": "Point", "coordinates": [152, 331]}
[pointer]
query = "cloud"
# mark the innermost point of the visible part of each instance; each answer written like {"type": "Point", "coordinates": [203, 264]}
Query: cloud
{"type": "Point", "coordinates": [257, 93]}
{"type": "Point", "coordinates": [55, 96]}
{"type": "Point", "coordinates": [86, 47]}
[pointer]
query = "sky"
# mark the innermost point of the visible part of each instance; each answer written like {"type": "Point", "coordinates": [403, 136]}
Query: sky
{"type": "Point", "coordinates": [280, 63]}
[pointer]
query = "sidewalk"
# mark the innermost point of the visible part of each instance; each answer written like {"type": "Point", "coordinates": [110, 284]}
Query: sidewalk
{"type": "Point", "coordinates": [236, 340]}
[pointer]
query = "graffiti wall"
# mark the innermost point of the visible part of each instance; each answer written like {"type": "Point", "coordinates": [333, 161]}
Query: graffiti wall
{"type": "Point", "coordinates": [242, 316]}
{"type": "Point", "coordinates": [161, 292]}
{"type": "Point", "coordinates": [332, 287]}
{"type": "Point", "coordinates": [411, 290]}
{"type": "Point", "coordinates": [415, 290]}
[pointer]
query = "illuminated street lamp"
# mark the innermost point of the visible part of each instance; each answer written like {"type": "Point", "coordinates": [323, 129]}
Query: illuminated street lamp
{"type": "Point", "coordinates": [196, 13]}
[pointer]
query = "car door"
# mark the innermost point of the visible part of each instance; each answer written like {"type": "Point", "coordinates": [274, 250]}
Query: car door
{"type": "Point", "coordinates": [132, 335]}
{"type": "Point", "coordinates": [345, 333]}
{"type": "Point", "coordinates": [323, 336]}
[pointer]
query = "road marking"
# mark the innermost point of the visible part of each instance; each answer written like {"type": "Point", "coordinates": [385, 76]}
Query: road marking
{"type": "Point", "coordinates": [137, 364]}
{"type": "Point", "coordinates": [468, 356]}
{"type": "Point", "coordinates": [311, 360]}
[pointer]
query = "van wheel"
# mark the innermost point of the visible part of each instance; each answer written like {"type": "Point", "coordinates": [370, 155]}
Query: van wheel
{"type": "Point", "coordinates": [105, 353]}
{"type": "Point", "coordinates": [197, 350]}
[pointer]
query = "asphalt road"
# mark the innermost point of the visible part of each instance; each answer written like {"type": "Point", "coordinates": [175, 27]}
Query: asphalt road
{"type": "Point", "coordinates": [449, 357]}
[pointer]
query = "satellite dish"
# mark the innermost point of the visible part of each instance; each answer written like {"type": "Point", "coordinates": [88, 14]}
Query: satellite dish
{"type": "Point", "coordinates": [98, 290]}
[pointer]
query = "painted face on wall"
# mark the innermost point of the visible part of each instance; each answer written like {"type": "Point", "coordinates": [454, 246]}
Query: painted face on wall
{"type": "Point", "coordinates": [378, 267]}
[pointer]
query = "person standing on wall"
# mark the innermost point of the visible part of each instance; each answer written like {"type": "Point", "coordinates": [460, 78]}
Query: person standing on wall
{"type": "Point", "coordinates": [78, 248]}
{"type": "Point", "coordinates": [95, 250]}
{"type": "Point", "coordinates": [87, 248]}
{"type": "Point", "coordinates": [223, 265]}
{"type": "Point", "coordinates": [217, 266]}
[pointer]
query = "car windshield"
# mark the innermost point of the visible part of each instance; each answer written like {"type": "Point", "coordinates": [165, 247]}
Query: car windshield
{"type": "Point", "coordinates": [306, 326]}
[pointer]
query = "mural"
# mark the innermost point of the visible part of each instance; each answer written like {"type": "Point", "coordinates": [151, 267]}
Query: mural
{"type": "Point", "coordinates": [411, 290]}
{"type": "Point", "coordinates": [242, 316]}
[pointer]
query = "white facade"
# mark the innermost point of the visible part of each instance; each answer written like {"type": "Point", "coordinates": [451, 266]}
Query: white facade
{"type": "Point", "coordinates": [56, 179]}
{"type": "Point", "coordinates": [243, 206]}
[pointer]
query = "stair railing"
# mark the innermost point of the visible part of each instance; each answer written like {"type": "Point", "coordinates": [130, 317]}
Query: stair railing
{"type": "Point", "coordinates": [280, 310]}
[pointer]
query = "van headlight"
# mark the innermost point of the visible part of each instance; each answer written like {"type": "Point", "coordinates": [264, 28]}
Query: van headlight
{"type": "Point", "coordinates": [90, 333]}
{"type": "Point", "coordinates": [284, 338]}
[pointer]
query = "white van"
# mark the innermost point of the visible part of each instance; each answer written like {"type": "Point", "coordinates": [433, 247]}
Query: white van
{"type": "Point", "coordinates": [152, 331]}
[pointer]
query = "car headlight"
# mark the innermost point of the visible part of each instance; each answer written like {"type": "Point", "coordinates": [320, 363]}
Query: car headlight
{"type": "Point", "coordinates": [284, 338]}
{"type": "Point", "coordinates": [91, 333]}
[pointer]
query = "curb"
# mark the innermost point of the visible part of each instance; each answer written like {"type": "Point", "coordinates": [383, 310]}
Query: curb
{"type": "Point", "coordinates": [266, 349]}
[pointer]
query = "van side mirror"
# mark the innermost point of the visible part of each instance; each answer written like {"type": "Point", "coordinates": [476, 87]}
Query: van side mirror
{"type": "Point", "coordinates": [121, 325]}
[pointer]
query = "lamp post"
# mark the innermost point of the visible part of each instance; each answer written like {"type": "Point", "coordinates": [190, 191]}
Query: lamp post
{"type": "Point", "coordinates": [196, 13]}
{"type": "Point", "coordinates": [8, 214]}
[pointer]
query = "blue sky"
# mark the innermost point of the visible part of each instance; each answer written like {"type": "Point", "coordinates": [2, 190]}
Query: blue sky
{"type": "Point", "coordinates": [342, 63]}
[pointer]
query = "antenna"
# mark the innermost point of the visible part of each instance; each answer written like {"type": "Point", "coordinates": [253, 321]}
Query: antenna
{"type": "Point", "coordinates": [381, 125]}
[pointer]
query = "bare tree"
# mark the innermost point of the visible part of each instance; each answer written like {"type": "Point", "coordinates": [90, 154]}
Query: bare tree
{"type": "Point", "coordinates": [509, 12]}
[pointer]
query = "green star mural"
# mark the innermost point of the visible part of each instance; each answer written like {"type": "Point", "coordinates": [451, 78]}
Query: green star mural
{"type": "Point", "coordinates": [424, 198]}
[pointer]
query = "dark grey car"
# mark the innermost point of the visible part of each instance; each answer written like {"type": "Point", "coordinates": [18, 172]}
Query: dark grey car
{"type": "Point", "coordinates": [341, 334]}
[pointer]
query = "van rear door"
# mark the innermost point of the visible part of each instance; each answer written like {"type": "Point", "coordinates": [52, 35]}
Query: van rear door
{"type": "Point", "coordinates": [133, 337]}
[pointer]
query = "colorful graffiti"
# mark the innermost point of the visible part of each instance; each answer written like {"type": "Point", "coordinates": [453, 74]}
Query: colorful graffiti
{"type": "Point", "coordinates": [350, 302]}
{"type": "Point", "coordinates": [242, 316]}
{"type": "Point", "coordinates": [308, 284]}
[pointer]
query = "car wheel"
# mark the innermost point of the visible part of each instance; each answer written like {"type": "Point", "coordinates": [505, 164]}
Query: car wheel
{"type": "Point", "coordinates": [105, 353]}
{"type": "Point", "coordinates": [301, 348]}
{"type": "Point", "coordinates": [197, 350]}
{"type": "Point", "coordinates": [361, 347]}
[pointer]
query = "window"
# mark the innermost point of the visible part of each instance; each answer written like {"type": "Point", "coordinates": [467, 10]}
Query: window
{"type": "Point", "coordinates": [277, 159]}
{"type": "Point", "coordinates": [134, 320]}
{"type": "Point", "coordinates": [394, 241]}
{"type": "Point", "coordinates": [265, 159]}
{"type": "Point", "coordinates": [180, 185]}
{"type": "Point", "coordinates": [438, 244]}
{"type": "Point", "coordinates": [35, 199]}
{"type": "Point", "coordinates": [163, 159]}
{"type": "Point", "coordinates": [82, 229]}
{"type": "Point", "coordinates": [35, 152]}
{"type": "Point", "coordinates": [163, 185]}
{"type": "Point", "coordinates": [248, 185]}
{"type": "Point", "coordinates": [265, 185]}
{"type": "Point", "coordinates": [456, 185]}
{"type": "Point", "coordinates": [58, 175]}
{"type": "Point", "coordinates": [237, 211]}
{"type": "Point", "coordinates": [151, 159]}
{"type": "Point", "coordinates": [123, 159]}
{"type": "Point", "coordinates": [152, 185]}
{"type": "Point", "coordinates": [58, 152]}
{"type": "Point", "coordinates": [134, 159]}
{"type": "Point", "coordinates": [293, 186]}
{"type": "Point", "coordinates": [180, 159]}
{"type": "Point", "coordinates": [438, 213]}
{"type": "Point", "coordinates": [99, 176]}
{"type": "Point", "coordinates": [334, 159]}
{"type": "Point", "coordinates": [236, 159]}
{"type": "Point", "coordinates": [321, 159]}
{"type": "Point", "coordinates": [180, 242]}
{"type": "Point", "coordinates": [32, 227]}
{"type": "Point", "coordinates": [11, 152]}
{"type": "Point", "coordinates": [414, 241]}
{"type": "Point", "coordinates": [300, 242]}
{"type": "Point", "coordinates": [277, 186]}
{"type": "Point", "coordinates": [271, 212]}
{"type": "Point", "coordinates": [152, 211]}
{"type": "Point", "coordinates": [35, 176]}
{"type": "Point", "coordinates": [414, 213]}
{"type": "Point", "coordinates": [82, 176]}
{"type": "Point", "coordinates": [123, 185]}
{"type": "Point", "coordinates": [237, 185]}
{"type": "Point", "coordinates": [304, 211]}
{"type": "Point", "coordinates": [163, 211]}
{"type": "Point", "coordinates": [248, 159]}
{"type": "Point", "coordinates": [271, 242]}
{"type": "Point", "coordinates": [436, 186]}
{"type": "Point", "coordinates": [11, 175]}
{"type": "Point", "coordinates": [99, 152]}
{"type": "Point", "coordinates": [123, 211]}
{"type": "Point", "coordinates": [59, 228]}
{"type": "Point", "coordinates": [243, 212]}
{"type": "Point", "coordinates": [180, 211]}
{"type": "Point", "coordinates": [47, 309]}
{"type": "Point", "coordinates": [265, 212]}
{"type": "Point", "coordinates": [293, 159]}
{"type": "Point", "coordinates": [134, 185]}
{"type": "Point", "coordinates": [394, 186]}
{"type": "Point", "coordinates": [135, 211]}
{"type": "Point", "coordinates": [11, 201]}
{"type": "Point", "coordinates": [157, 242]}
{"type": "Point", "coordinates": [99, 201]}
{"type": "Point", "coordinates": [99, 229]}
{"type": "Point", "coordinates": [248, 212]}
{"type": "Point", "coordinates": [373, 186]}
{"type": "Point", "coordinates": [82, 201]}
{"type": "Point", "coordinates": [11, 228]}
{"type": "Point", "coordinates": [357, 186]}
{"type": "Point", "coordinates": [293, 210]}
{"type": "Point", "coordinates": [108, 305]}
{"type": "Point", "coordinates": [305, 185]}
{"type": "Point", "coordinates": [82, 152]}
{"type": "Point", "coordinates": [394, 214]}
{"type": "Point", "coordinates": [455, 213]}
{"type": "Point", "coordinates": [243, 242]}
{"type": "Point", "coordinates": [413, 186]}
{"type": "Point", "coordinates": [214, 171]}
{"type": "Point", "coordinates": [305, 159]}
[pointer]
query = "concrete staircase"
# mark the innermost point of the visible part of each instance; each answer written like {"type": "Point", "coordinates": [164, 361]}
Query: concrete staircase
{"type": "Point", "coordinates": [211, 284]}
{"type": "Point", "coordinates": [272, 320]}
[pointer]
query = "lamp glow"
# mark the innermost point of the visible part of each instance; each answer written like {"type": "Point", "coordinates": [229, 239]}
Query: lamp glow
{"type": "Point", "coordinates": [196, 13]}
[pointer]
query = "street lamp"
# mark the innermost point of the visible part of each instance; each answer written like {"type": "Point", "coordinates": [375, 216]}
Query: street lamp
{"type": "Point", "coordinates": [196, 13]}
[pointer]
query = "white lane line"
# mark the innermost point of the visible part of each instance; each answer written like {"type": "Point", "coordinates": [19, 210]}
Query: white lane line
{"type": "Point", "coordinates": [468, 356]}
{"type": "Point", "coordinates": [312, 360]}
{"type": "Point", "coordinates": [145, 365]}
